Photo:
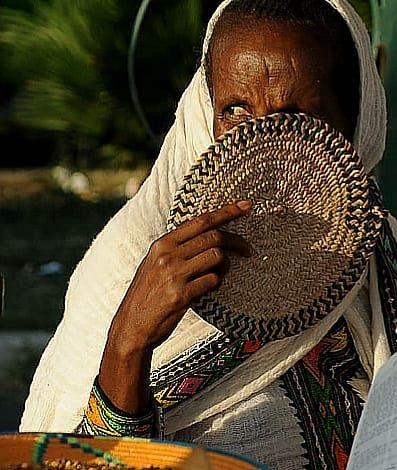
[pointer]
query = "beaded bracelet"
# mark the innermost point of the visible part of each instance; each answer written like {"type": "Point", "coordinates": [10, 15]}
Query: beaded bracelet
{"type": "Point", "coordinates": [102, 418]}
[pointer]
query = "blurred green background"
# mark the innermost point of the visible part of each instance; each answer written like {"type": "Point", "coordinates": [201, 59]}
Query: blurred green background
{"type": "Point", "coordinates": [73, 147]}
{"type": "Point", "coordinates": [63, 78]}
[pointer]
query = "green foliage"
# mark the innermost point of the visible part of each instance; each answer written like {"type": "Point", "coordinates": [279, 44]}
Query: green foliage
{"type": "Point", "coordinates": [363, 7]}
{"type": "Point", "coordinates": [56, 57]}
{"type": "Point", "coordinates": [167, 54]}
{"type": "Point", "coordinates": [68, 63]}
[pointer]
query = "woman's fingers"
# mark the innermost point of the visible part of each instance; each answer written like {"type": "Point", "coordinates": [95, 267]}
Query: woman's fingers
{"type": "Point", "coordinates": [212, 239]}
{"type": "Point", "coordinates": [203, 285]}
{"type": "Point", "coordinates": [210, 221]}
{"type": "Point", "coordinates": [166, 282]}
{"type": "Point", "coordinates": [204, 262]}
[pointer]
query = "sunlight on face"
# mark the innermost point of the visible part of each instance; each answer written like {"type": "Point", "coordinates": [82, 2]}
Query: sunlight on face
{"type": "Point", "coordinates": [260, 68]}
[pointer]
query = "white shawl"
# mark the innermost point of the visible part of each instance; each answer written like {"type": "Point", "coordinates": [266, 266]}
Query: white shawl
{"type": "Point", "coordinates": [63, 380]}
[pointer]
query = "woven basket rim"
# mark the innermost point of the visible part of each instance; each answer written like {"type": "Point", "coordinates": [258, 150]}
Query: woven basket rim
{"type": "Point", "coordinates": [309, 132]}
{"type": "Point", "coordinates": [9, 440]}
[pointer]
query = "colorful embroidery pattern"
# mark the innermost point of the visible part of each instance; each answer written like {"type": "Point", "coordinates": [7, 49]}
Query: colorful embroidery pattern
{"type": "Point", "coordinates": [386, 258]}
{"type": "Point", "coordinates": [386, 252]}
{"type": "Point", "coordinates": [327, 407]}
{"type": "Point", "coordinates": [101, 418]}
{"type": "Point", "coordinates": [203, 369]}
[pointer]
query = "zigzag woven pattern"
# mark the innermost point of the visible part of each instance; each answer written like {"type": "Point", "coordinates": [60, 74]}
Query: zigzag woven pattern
{"type": "Point", "coordinates": [313, 225]}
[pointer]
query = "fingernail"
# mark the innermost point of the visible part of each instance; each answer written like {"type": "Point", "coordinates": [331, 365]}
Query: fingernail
{"type": "Point", "coordinates": [244, 205]}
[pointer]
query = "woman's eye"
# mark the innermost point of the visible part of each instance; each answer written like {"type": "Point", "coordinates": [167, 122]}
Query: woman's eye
{"type": "Point", "coordinates": [236, 113]}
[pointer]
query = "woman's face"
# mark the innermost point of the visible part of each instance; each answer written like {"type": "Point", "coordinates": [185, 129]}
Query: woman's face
{"type": "Point", "coordinates": [259, 68]}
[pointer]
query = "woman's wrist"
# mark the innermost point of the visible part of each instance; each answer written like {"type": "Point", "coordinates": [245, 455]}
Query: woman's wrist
{"type": "Point", "coordinates": [124, 376]}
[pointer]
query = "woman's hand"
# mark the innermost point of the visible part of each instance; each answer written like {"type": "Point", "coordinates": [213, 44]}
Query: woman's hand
{"type": "Point", "coordinates": [180, 267]}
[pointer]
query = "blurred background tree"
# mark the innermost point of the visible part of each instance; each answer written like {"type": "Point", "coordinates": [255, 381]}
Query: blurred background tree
{"type": "Point", "coordinates": [363, 7]}
{"type": "Point", "coordinates": [64, 74]}
{"type": "Point", "coordinates": [64, 83]}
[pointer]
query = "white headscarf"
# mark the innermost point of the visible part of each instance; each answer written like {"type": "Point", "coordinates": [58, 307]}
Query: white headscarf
{"type": "Point", "coordinates": [370, 135]}
{"type": "Point", "coordinates": [63, 380]}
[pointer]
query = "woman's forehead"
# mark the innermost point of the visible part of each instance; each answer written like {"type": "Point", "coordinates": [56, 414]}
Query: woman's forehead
{"type": "Point", "coordinates": [271, 67]}
{"type": "Point", "coordinates": [230, 28]}
{"type": "Point", "coordinates": [262, 43]}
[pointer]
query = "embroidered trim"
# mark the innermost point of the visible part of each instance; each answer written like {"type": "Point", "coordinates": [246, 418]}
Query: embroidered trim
{"type": "Point", "coordinates": [188, 360]}
{"type": "Point", "coordinates": [326, 406]}
{"type": "Point", "coordinates": [386, 252]}
{"type": "Point", "coordinates": [203, 369]}
{"type": "Point", "coordinates": [386, 257]}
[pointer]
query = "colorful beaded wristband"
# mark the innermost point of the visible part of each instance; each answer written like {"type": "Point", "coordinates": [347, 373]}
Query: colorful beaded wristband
{"type": "Point", "coordinates": [102, 418]}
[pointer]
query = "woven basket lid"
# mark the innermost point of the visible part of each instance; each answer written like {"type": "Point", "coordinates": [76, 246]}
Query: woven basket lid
{"type": "Point", "coordinates": [38, 448]}
{"type": "Point", "coordinates": [312, 227]}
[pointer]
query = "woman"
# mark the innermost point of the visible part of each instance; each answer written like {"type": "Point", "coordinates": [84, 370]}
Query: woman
{"type": "Point", "coordinates": [293, 403]}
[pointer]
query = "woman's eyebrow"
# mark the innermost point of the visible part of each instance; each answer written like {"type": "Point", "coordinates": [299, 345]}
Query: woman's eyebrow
{"type": "Point", "coordinates": [234, 99]}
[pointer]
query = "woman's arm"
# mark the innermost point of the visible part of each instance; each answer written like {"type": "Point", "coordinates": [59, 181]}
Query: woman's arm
{"type": "Point", "coordinates": [179, 268]}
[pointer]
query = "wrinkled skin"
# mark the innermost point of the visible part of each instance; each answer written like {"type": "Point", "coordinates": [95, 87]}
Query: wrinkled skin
{"type": "Point", "coordinates": [257, 68]}
{"type": "Point", "coordinates": [262, 68]}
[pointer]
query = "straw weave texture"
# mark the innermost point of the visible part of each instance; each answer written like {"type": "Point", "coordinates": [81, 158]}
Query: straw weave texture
{"type": "Point", "coordinates": [312, 227]}
{"type": "Point", "coordinates": [37, 448]}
